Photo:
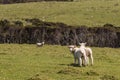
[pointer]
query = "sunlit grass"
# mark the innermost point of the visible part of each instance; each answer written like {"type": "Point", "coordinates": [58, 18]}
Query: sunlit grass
{"type": "Point", "coordinates": [84, 12]}
{"type": "Point", "coordinates": [53, 62]}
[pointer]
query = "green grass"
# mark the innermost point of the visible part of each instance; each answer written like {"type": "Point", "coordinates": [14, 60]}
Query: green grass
{"type": "Point", "coordinates": [53, 62]}
{"type": "Point", "coordinates": [84, 12]}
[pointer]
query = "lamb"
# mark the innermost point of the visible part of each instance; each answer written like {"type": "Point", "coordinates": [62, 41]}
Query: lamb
{"type": "Point", "coordinates": [79, 54]}
{"type": "Point", "coordinates": [88, 52]}
{"type": "Point", "coordinates": [40, 44]}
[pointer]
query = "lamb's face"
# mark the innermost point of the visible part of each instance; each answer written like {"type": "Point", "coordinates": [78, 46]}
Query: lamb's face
{"type": "Point", "coordinates": [72, 48]}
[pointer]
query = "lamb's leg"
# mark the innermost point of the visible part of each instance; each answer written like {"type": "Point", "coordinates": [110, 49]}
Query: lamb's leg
{"type": "Point", "coordinates": [91, 58]}
{"type": "Point", "coordinates": [74, 60]}
{"type": "Point", "coordinates": [87, 60]}
{"type": "Point", "coordinates": [83, 62]}
{"type": "Point", "coordinates": [80, 62]}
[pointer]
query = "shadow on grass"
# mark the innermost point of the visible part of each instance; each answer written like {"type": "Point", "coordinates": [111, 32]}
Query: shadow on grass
{"type": "Point", "coordinates": [72, 64]}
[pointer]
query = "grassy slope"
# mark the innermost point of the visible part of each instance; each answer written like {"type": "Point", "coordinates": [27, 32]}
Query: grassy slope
{"type": "Point", "coordinates": [84, 12]}
{"type": "Point", "coordinates": [22, 62]}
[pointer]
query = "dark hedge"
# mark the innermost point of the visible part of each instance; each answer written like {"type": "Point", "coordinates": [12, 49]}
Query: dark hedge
{"type": "Point", "coordinates": [58, 33]}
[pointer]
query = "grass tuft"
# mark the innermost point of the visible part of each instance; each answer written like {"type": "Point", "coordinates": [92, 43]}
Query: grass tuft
{"type": "Point", "coordinates": [108, 77]}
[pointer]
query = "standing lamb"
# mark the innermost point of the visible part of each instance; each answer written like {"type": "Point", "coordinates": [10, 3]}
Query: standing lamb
{"type": "Point", "coordinates": [88, 52]}
{"type": "Point", "coordinates": [79, 54]}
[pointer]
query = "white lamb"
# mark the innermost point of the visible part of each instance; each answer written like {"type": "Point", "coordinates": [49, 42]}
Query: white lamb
{"type": "Point", "coordinates": [40, 44]}
{"type": "Point", "coordinates": [88, 52]}
{"type": "Point", "coordinates": [79, 54]}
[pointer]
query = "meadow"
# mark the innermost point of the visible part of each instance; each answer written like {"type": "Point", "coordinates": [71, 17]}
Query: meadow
{"type": "Point", "coordinates": [54, 62]}
{"type": "Point", "coordinates": [83, 12]}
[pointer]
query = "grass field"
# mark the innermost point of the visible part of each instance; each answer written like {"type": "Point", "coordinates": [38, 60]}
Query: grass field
{"type": "Point", "coordinates": [83, 12]}
{"type": "Point", "coordinates": [53, 62]}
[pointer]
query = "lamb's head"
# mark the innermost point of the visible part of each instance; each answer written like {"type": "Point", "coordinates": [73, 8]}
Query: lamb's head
{"type": "Point", "coordinates": [72, 48]}
{"type": "Point", "coordinates": [82, 44]}
{"type": "Point", "coordinates": [43, 43]}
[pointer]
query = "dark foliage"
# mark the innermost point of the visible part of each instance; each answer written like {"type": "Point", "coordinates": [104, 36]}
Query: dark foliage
{"type": "Point", "coordinates": [18, 23]}
{"type": "Point", "coordinates": [4, 22]}
{"type": "Point", "coordinates": [58, 33]}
